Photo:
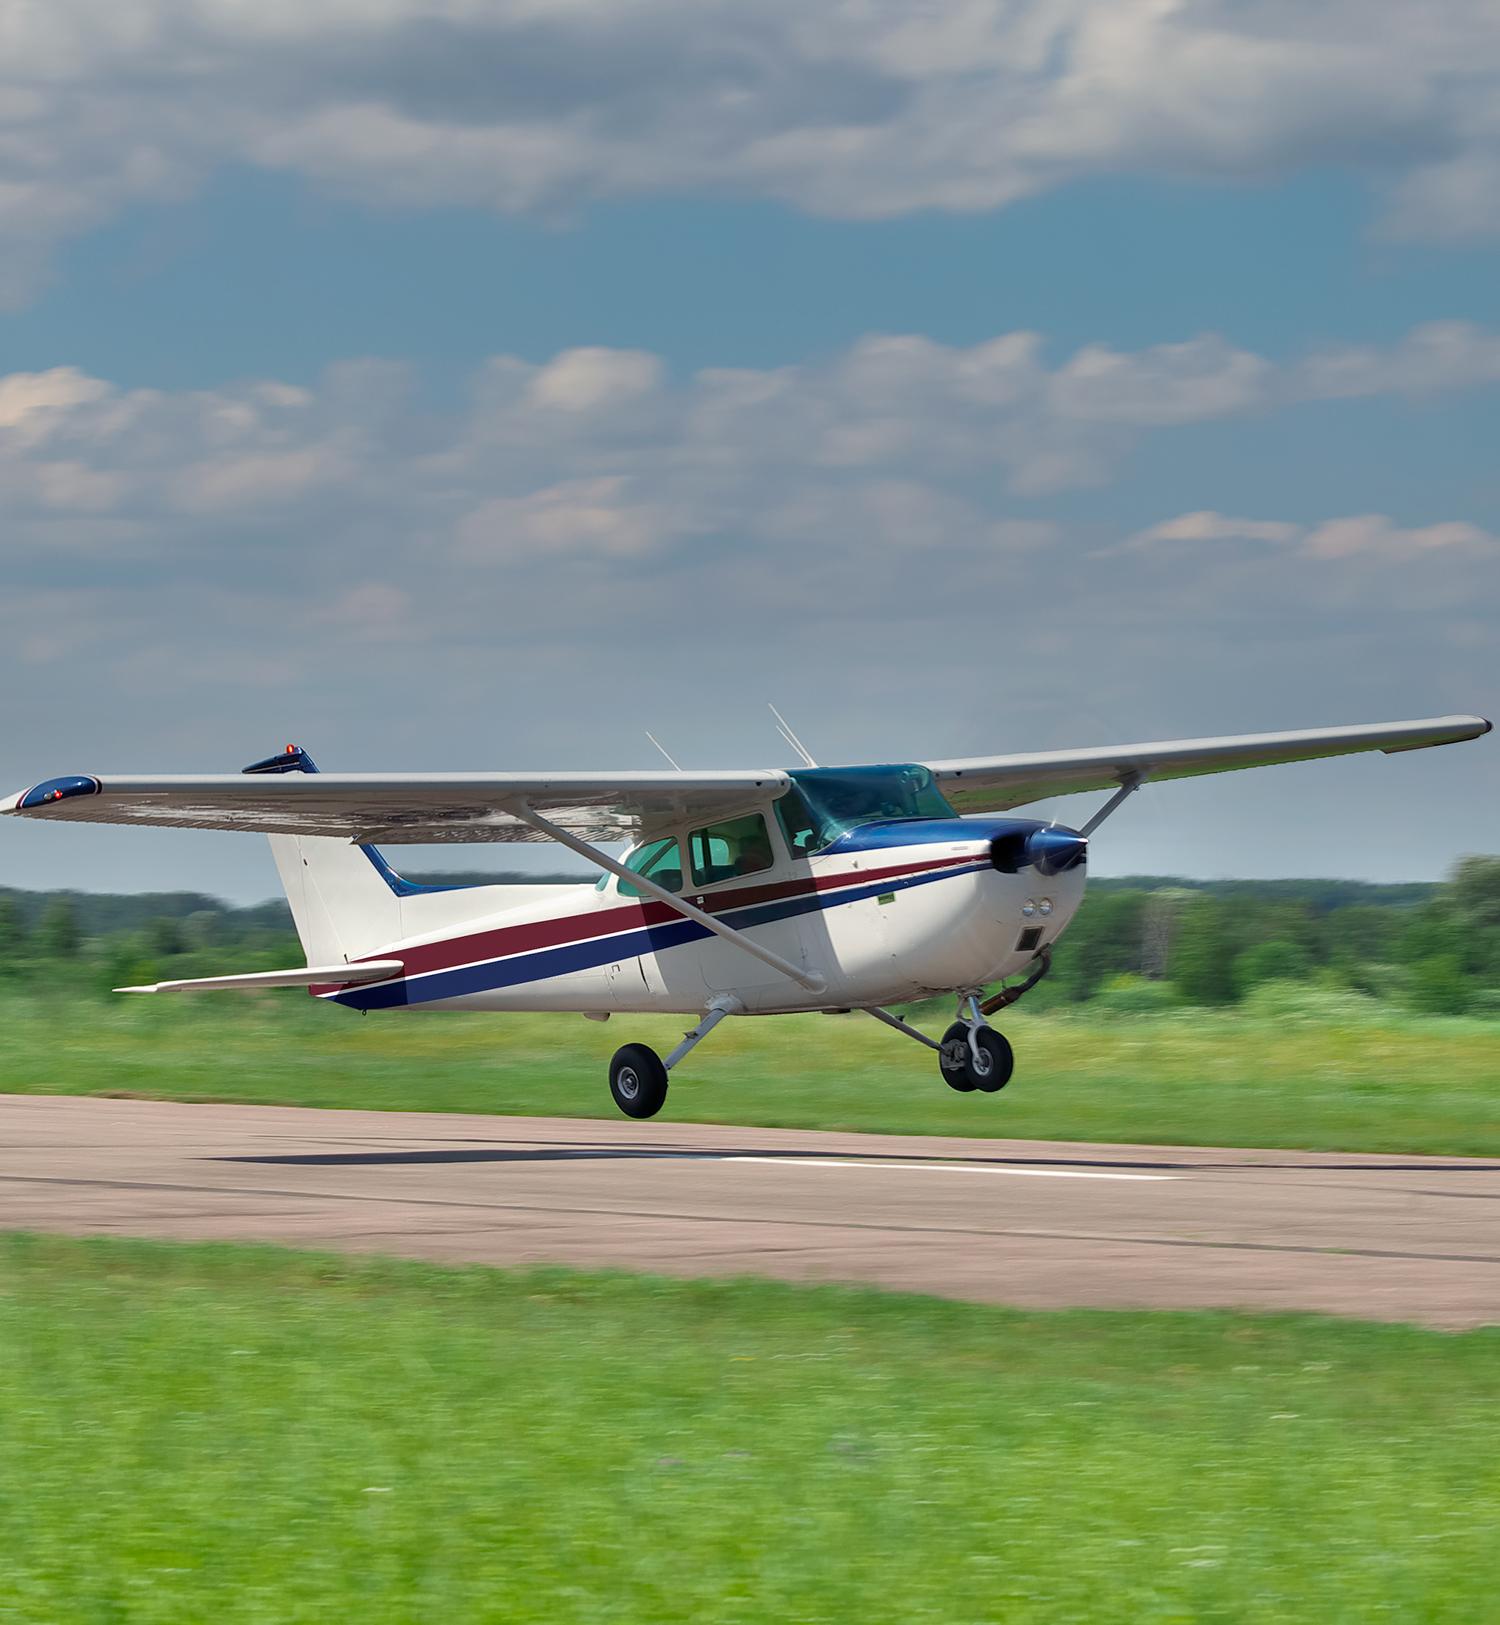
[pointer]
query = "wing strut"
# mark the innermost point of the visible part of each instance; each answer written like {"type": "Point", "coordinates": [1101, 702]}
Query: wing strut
{"type": "Point", "coordinates": [585, 849]}
{"type": "Point", "coordinates": [1129, 784]}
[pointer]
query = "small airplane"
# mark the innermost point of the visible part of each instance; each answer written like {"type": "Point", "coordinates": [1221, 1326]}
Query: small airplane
{"type": "Point", "coordinates": [760, 892]}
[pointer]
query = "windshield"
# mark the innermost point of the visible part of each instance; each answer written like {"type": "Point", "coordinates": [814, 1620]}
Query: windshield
{"type": "Point", "coordinates": [824, 802]}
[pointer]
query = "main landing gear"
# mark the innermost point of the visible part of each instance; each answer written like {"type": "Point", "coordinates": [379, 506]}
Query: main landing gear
{"type": "Point", "coordinates": [638, 1075]}
{"type": "Point", "coordinates": [638, 1080]}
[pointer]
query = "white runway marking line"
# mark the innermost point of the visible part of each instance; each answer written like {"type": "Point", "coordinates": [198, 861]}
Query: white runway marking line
{"type": "Point", "coordinates": [945, 1168]}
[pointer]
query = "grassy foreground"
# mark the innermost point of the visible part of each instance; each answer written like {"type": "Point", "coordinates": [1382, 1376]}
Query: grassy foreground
{"type": "Point", "coordinates": [246, 1434]}
{"type": "Point", "coordinates": [1322, 1071]}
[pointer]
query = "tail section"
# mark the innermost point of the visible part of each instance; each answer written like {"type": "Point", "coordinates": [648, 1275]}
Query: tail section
{"type": "Point", "coordinates": [342, 903]}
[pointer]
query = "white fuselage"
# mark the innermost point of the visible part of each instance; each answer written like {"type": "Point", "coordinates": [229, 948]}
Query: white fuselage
{"type": "Point", "coordinates": [881, 921]}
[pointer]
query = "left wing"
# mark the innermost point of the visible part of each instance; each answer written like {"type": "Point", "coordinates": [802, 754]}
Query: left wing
{"type": "Point", "coordinates": [397, 808]}
{"type": "Point", "coordinates": [994, 783]}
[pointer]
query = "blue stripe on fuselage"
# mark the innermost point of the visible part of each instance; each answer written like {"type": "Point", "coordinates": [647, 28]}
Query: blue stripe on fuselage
{"type": "Point", "coordinates": [541, 964]}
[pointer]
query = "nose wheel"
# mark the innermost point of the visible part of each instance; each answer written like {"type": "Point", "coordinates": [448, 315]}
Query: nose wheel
{"type": "Point", "coordinates": [976, 1058]}
{"type": "Point", "coordinates": [972, 1055]}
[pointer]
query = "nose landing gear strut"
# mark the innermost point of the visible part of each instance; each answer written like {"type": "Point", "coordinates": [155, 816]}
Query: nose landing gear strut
{"type": "Point", "coordinates": [971, 1054]}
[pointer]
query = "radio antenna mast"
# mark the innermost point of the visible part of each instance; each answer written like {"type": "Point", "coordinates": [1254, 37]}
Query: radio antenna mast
{"type": "Point", "coordinates": [663, 749]}
{"type": "Point", "coordinates": [785, 729]}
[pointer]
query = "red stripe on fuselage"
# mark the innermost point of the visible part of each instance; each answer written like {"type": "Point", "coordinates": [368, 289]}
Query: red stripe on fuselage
{"type": "Point", "coordinates": [561, 930]}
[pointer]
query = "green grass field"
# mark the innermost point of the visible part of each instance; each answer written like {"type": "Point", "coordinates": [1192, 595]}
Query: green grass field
{"type": "Point", "coordinates": [245, 1434]}
{"type": "Point", "coordinates": [1321, 1071]}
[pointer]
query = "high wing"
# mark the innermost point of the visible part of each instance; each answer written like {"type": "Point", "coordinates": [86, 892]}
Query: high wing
{"type": "Point", "coordinates": [423, 808]}
{"type": "Point", "coordinates": [400, 808]}
{"type": "Point", "coordinates": [994, 783]}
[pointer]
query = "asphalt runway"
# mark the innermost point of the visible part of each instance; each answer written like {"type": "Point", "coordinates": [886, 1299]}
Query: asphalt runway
{"type": "Point", "coordinates": [1031, 1223]}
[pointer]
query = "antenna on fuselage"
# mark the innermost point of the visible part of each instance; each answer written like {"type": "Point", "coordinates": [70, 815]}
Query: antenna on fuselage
{"type": "Point", "coordinates": [785, 729]}
{"type": "Point", "coordinates": [663, 749]}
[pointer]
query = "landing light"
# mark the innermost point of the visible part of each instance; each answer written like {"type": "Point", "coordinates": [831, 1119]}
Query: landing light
{"type": "Point", "coordinates": [1028, 908]}
{"type": "Point", "coordinates": [1045, 906]}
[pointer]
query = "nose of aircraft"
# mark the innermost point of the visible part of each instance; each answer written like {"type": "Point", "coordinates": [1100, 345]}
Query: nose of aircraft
{"type": "Point", "coordinates": [1051, 851]}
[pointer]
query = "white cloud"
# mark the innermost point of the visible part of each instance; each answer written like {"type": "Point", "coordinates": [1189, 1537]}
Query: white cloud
{"type": "Point", "coordinates": [1207, 526]}
{"type": "Point", "coordinates": [587, 380]}
{"type": "Point", "coordinates": [226, 485]}
{"type": "Point", "coordinates": [1358, 536]}
{"type": "Point", "coordinates": [373, 609]}
{"type": "Point", "coordinates": [1171, 383]}
{"type": "Point", "coordinates": [851, 109]}
{"type": "Point", "coordinates": [30, 401]}
{"type": "Point", "coordinates": [1372, 534]}
{"type": "Point", "coordinates": [590, 516]}
{"type": "Point", "coordinates": [1432, 358]}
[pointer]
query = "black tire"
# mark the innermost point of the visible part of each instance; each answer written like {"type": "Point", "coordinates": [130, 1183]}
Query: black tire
{"type": "Point", "coordinates": [638, 1080]}
{"type": "Point", "coordinates": [996, 1061]}
{"type": "Point", "coordinates": [953, 1059]}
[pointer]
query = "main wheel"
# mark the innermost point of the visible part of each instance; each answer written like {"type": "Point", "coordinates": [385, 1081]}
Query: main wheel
{"type": "Point", "coordinates": [638, 1080]}
{"type": "Point", "coordinates": [996, 1061]}
{"type": "Point", "coordinates": [953, 1059]}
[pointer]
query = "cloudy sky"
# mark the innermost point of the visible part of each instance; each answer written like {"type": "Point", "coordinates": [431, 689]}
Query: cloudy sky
{"type": "Point", "coordinates": [478, 383]}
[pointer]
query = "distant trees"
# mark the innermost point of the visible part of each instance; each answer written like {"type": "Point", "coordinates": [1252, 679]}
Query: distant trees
{"type": "Point", "coordinates": [12, 933]}
{"type": "Point", "coordinates": [1279, 961]}
{"type": "Point", "coordinates": [1434, 948]}
{"type": "Point", "coordinates": [1201, 964]}
{"type": "Point", "coordinates": [1437, 986]}
{"type": "Point", "coordinates": [58, 935]}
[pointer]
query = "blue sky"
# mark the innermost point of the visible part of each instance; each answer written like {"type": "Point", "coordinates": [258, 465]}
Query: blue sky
{"type": "Point", "coordinates": [446, 388]}
{"type": "Point", "coordinates": [261, 275]}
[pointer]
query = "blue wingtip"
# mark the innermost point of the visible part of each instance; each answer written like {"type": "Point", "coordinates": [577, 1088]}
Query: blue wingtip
{"type": "Point", "coordinates": [42, 795]}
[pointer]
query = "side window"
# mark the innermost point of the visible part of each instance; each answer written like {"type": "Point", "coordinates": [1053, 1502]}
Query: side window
{"type": "Point", "coordinates": [740, 846]}
{"type": "Point", "coordinates": [660, 861]}
{"type": "Point", "coordinates": [797, 824]}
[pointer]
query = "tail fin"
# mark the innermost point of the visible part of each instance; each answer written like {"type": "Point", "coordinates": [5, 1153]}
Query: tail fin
{"type": "Point", "coordinates": [342, 903]}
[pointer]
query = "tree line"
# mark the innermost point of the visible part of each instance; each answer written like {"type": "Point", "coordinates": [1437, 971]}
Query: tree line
{"type": "Point", "coordinates": [1433, 948]}
{"type": "Point", "coordinates": [1137, 944]}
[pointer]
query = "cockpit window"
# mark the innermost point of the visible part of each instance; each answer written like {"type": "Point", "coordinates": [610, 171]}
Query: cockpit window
{"type": "Point", "coordinates": [660, 861]}
{"type": "Point", "coordinates": [824, 803]}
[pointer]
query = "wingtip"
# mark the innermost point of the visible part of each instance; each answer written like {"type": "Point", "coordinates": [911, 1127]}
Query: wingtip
{"type": "Point", "coordinates": [154, 987]}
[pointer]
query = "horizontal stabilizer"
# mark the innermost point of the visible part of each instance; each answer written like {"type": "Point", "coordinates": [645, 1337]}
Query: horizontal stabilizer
{"type": "Point", "coordinates": [368, 970]}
